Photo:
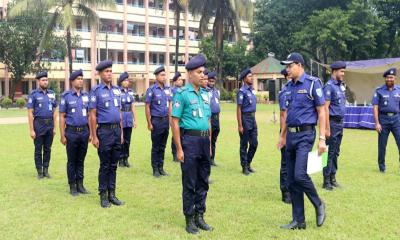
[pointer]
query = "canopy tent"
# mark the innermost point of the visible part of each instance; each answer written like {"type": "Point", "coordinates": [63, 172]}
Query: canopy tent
{"type": "Point", "coordinates": [362, 77]}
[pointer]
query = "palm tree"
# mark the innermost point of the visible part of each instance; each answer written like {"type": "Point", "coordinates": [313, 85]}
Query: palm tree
{"type": "Point", "coordinates": [179, 6]}
{"type": "Point", "coordinates": [227, 15]}
{"type": "Point", "coordinates": [63, 12]}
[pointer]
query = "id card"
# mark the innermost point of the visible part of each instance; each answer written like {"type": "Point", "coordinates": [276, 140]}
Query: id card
{"type": "Point", "coordinates": [115, 102]}
{"type": "Point", "coordinates": [84, 112]}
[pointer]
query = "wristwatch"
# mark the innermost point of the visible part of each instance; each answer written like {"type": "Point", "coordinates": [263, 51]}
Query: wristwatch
{"type": "Point", "coordinates": [322, 138]}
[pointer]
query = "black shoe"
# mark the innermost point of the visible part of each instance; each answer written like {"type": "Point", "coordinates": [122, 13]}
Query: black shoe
{"type": "Point", "coordinates": [200, 223]}
{"type": "Point", "coordinates": [46, 172]}
{"type": "Point", "coordinates": [39, 173]}
{"type": "Point", "coordinates": [156, 173]}
{"type": "Point", "coordinates": [294, 225]}
{"type": "Point", "coordinates": [81, 188]}
{"type": "Point", "coordinates": [327, 184]}
{"type": "Point", "coordinates": [175, 159]}
{"type": "Point", "coordinates": [334, 183]}
{"type": "Point", "coordinates": [121, 162]}
{"type": "Point", "coordinates": [321, 215]}
{"type": "Point", "coordinates": [73, 190]}
{"type": "Point", "coordinates": [213, 163]}
{"type": "Point", "coordinates": [113, 199]}
{"type": "Point", "coordinates": [162, 172]}
{"type": "Point", "coordinates": [382, 170]}
{"type": "Point", "coordinates": [104, 202]}
{"type": "Point", "coordinates": [190, 225]}
{"type": "Point", "coordinates": [245, 170]}
{"type": "Point", "coordinates": [126, 163]}
{"type": "Point", "coordinates": [286, 197]}
{"type": "Point", "coordinates": [252, 170]}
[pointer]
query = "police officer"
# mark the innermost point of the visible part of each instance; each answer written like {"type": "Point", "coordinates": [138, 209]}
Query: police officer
{"type": "Point", "coordinates": [283, 171]}
{"type": "Point", "coordinates": [386, 102]}
{"type": "Point", "coordinates": [105, 114]}
{"type": "Point", "coordinates": [305, 106]}
{"type": "Point", "coordinates": [215, 110]}
{"type": "Point", "coordinates": [335, 106]}
{"type": "Point", "coordinates": [158, 98]}
{"type": "Point", "coordinates": [128, 117]}
{"type": "Point", "coordinates": [74, 129]}
{"type": "Point", "coordinates": [191, 131]}
{"type": "Point", "coordinates": [246, 117]}
{"type": "Point", "coordinates": [42, 121]}
{"type": "Point", "coordinates": [178, 83]}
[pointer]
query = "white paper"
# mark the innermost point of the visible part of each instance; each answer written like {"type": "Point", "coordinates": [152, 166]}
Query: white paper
{"type": "Point", "coordinates": [314, 163]}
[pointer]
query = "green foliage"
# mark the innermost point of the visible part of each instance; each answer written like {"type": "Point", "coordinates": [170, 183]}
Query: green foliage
{"type": "Point", "coordinates": [6, 103]}
{"type": "Point", "coordinates": [21, 102]}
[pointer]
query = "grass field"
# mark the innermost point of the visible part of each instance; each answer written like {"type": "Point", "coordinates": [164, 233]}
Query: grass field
{"type": "Point", "coordinates": [238, 207]}
{"type": "Point", "coordinates": [13, 112]}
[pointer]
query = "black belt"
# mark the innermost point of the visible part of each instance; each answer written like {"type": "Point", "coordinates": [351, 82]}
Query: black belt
{"type": "Point", "coordinates": [44, 120]}
{"type": "Point", "coordinates": [301, 129]}
{"type": "Point", "coordinates": [109, 125]}
{"type": "Point", "coordinates": [83, 128]}
{"type": "Point", "coordinates": [388, 114]}
{"type": "Point", "coordinates": [253, 114]}
{"type": "Point", "coordinates": [336, 119]}
{"type": "Point", "coordinates": [196, 133]}
{"type": "Point", "coordinates": [162, 118]}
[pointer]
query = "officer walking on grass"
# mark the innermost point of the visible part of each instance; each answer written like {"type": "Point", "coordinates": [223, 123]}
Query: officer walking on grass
{"type": "Point", "coordinates": [191, 130]}
{"type": "Point", "coordinates": [305, 107]}
{"type": "Point", "coordinates": [42, 118]}
{"type": "Point", "coordinates": [105, 127]}
{"type": "Point", "coordinates": [74, 131]}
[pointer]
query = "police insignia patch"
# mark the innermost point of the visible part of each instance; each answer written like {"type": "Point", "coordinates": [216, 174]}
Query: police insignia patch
{"type": "Point", "coordinates": [93, 99]}
{"type": "Point", "coordinates": [328, 93]}
{"type": "Point", "coordinates": [62, 101]}
{"type": "Point", "coordinates": [319, 92]}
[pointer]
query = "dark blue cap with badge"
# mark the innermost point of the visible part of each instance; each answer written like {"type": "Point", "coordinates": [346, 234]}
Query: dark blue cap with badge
{"type": "Point", "coordinates": [392, 71]}
{"type": "Point", "coordinates": [176, 76]}
{"type": "Point", "coordinates": [206, 72]}
{"type": "Point", "coordinates": [293, 58]}
{"type": "Point", "coordinates": [76, 74]}
{"type": "Point", "coordinates": [284, 72]}
{"type": "Point", "coordinates": [103, 65]}
{"type": "Point", "coordinates": [338, 65]}
{"type": "Point", "coordinates": [244, 73]}
{"type": "Point", "coordinates": [123, 77]}
{"type": "Point", "coordinates": [196, 62]}
{"type": "Point", "coordinates": [212, 75]}
{"type": "Point", "coordinates": [41, 74]}
{"type": "Point", "coordinates": [159, 70]}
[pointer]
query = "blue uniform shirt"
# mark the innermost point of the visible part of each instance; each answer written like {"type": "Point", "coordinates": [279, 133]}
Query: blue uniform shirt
{"type": "Point", "coordinates": [127, 99]}
{"type": "Point", "coordinates": [107, 102]}
{"type": "Point", "coordinates": [335, 92]}
{"type": "Point", "coordinates": [247, 99]}
{"type": "Point", "coordinates": [387, 101]}
{"type": "Point", "coordinates": [282, 97]}
{"type": "Point", "coordinates": [302, 98]}
{"type": "Point", "coordinates": [159, 99]}
{"type": "Point", "coordinates": [76, 108]}
{"type": "Point", "coordinates": [42, 103]}
{"type": "Point", "coordinates": [215, 98]}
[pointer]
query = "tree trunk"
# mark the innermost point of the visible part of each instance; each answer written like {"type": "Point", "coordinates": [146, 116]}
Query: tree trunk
{"type": "Point", "coordinates": [178, 19]}
{"type": "Point", "coordinates": [219, 43]}
{"type": "Point", "coordinates": [69, 49]}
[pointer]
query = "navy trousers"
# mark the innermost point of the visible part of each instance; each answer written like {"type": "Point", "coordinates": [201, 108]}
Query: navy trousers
{"type": "Point", "coordinates": [248, 140]}
{"type": "Point", "coordinates": [77, 145]}
{"type": "Point", "coordinates": [127, 142]}
{"type": "Point", "coordinates": [159, 138]}
{"type": "Point", "coordinates": [390, 124]}
{"type": "Point", "coordinates": [44, 139]}
{"type": "Point", "coordinates": [214, 133]}
{"type": "Point", "coordinates": [333, 142]}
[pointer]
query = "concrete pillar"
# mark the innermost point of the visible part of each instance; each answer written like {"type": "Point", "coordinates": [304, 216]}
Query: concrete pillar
{"type": "Point", "coordinates": [147, 52]}
{"type": "Point", "coordinates": [125, 35]}
{"type": "Point", "coordinates": [186, 33]}
{"type": "Point", "coordinates": [93, 56]}
{"type": "Point", "coordinates": [167, 43]}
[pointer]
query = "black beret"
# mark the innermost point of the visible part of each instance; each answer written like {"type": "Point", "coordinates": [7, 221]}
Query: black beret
{"type": "Point", "coordinates": [212, 75]}
{"type": "Point", "coordinates": [244, 73]}
{"type": "Point", "coordinates": [159, 69]}
{"type": "Point", "coordinates": [284, 72]}
{"type": "Point", "coordinates": [338, 65]}
{"type": "Point", "coordinates": [123, 77]}
{"type": "Point", "coordinates": [196, 62]}
{"type": "Point", "coordinates": [103, 65]}
{"type": "Point", "coordinates": [176, 76]}
{"type": "Point", "coordinates": [392, 71]}
{"type": "Point", "coordinates": [41, 74]}
{"type": "Point", "coordinates": [76, 74]}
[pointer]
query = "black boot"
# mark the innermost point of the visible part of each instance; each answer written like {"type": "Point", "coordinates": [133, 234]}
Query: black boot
{"type": "Point", "coordinates": [334, 183]}
{"type": "Point", "coordinates": [286, 197]}
{"type": "Point", "coordinates": [113, 199]}
{"type": "Point", "coordinates": [81, 188]}
{"type": "Point", "coordinates": [72, 189]}
{"type": "Point", "coordinates": [320, 214]}
{"type": "Point", "coordinates": [327, 184]}
{"type": "Point", "coordinates": [126, 163]}
{"type": "Point", "coordinates": [213, 163]}
{"type": "Point", "coordinates": [104, 202]}
{"type": "Point", "coordinates": [156, 173]}
{"type": "Point", "coordinates": [121, 162]}
{"type": "Point", "coordinates": [245, 170]}
{"type": "Point", "coordinates": [294, 225]}
{"type": "Point", "coordinates": [251, 170]}
{"type": "Point", "coordinates": [190, 225]}
{"type": "Point", "coordinates": [39, 173]}
{"type": "Point", "coordinates": [46, 172]}
{"type": "Point", "coordinates": [200, 223]}
{"type": "Point", "coordinates": [162, 172]}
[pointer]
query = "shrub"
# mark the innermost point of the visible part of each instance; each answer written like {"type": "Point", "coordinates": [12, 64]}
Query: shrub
{"type": "Point", "coordinates": [21, 102]}
{"type": "Point", "coordinates": [6, 103]}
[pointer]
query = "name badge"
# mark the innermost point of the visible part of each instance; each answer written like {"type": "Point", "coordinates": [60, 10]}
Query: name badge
{"type": "Point", "coordinates": [115, 102]}
{"type": "Point", "coordinates": [116, 92]}
{"type": "Point", "coordinates": [128, 99]}
{"type": "Point", "coordinates": [84, 112]}
{"type": "Point", "coordinates": [51, 95]}
{"type": "Point", "coordinates": [85, 99]}
{"type": "Point", "coordinates": [40, 105]}
{"type": "Point", "coordinates": [200, 113]}
{"type": "Point", "coordinates": [167, 91]}
{"type": "Point", "coordinates": [107, 104]}
{"type": "Point", "coordinates": [167, 104]}
{"type": "Point", "coordinates": [73, 110]}
{"type": "Point", "coordinates": [50, 107]}
{"type": "Point", "coordinates": [194, 113]}
{"type": "Point", "coordinates": [302, 91]}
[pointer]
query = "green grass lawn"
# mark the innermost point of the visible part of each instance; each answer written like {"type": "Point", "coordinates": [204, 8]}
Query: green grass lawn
{"type": "Point", "coordinates": [239, 207]}
{"type": "Point", "coordinates": [13, 112]}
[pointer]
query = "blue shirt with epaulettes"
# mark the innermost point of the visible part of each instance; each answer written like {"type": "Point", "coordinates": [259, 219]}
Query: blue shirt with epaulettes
{"type": "Point", "coordinates": [282, 98]}
{"type": "Point", "coordinates": [159, 99]}
{"type": "Point", "coordinates": [127, 100]}
{"type": "Point", "coordinates": [247, 99]}
{"type": "Point", "coordinates": [107, 102]}
{"type": "Point", "coordinates": [215, 100]}
{"type": "Point", "coordinates": [388, 101]}
{"type": "Point", "coordinates": [335, 92]}
{"type": "Point", "coordinates": [42, 102]}
{"type": "Point", "coordinates": [76, 108]}
{"type": "Point", "coordinates": [302, 98]}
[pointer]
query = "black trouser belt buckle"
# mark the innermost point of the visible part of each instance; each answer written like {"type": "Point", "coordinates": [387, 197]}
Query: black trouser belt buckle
{"type": "Point", "coordinates": [109, 126]}
{"type": "Point", "coordinates": [249, 114]}
{"type": "Point", "coordinates": [388, 114]}
{"type": "Point", "coordinates": [196, 133]}
{"type": "Point", "coordinates": [300, 129]}
{"type": "Point", "coordinates": [44, 120]}
{"type": "Point", "coordinates": [77, 128]}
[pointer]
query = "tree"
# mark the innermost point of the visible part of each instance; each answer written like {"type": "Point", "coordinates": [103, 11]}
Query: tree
{"type": "Point", "coordinates": [63, 12]}
{"type": "Point", "coordinates": [227, 15]}
{"type": "Point", "coordinates": [21, 36]}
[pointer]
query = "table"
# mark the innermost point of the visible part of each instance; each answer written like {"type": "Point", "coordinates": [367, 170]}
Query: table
{"type": "Point", "coordinates": [359, 117]}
